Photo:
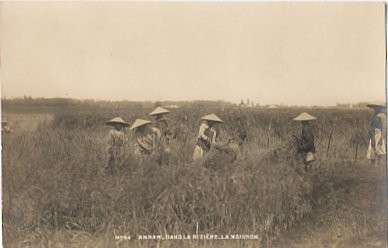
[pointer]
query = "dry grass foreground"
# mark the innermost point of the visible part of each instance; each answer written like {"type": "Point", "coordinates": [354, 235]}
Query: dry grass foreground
{"type": "Point", "coordinates": [55, 193]}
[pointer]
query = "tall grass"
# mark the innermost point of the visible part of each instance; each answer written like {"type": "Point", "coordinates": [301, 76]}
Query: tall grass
{"type": "Point", "coordinates": [53, 178]}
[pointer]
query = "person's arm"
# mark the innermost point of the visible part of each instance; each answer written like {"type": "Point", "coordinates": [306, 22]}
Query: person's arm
{"type": "Point", "coordinates": [201, 133]}
{"type": "Point", "coordinates": [157, 132]}
{"type": "Point", "coordinates": [213, 141]}
{"type": "Point", "coordinates": [383, 119]}
{"type": "Point", "coordinates": [146, 143]}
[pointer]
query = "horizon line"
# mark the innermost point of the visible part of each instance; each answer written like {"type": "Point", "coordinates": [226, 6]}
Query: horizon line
{"type": "Point", "coordinates": [194, 100]}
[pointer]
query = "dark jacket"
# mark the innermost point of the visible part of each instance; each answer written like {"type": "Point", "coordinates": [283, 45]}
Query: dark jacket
{"type": "Point", "coordinates": [376, 123]}
{"type": "Point", "coordinates": [306, 141]}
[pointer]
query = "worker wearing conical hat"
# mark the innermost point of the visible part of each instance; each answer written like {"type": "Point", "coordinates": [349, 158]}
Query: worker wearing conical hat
{"type": "Point", "coordinates": [159, 112]}
{"type": "Point", "coordinates": [377, 133]}
{"type": "Point", "coordinates": [206, 136]}
{"type": "Point", "coordinates": [146, 137]}
{"type": "Point", "coordinates": [116, 142]}
{"type": "Point", "coordinates": [162, 122]}
{"type": "Point", "coordinates": [306, 146]}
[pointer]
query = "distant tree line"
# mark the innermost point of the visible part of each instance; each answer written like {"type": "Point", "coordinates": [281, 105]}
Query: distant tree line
{"type": "Point", "coordinates": [29, 104]}
{"type": "Point", "coordinates": [24, 104]}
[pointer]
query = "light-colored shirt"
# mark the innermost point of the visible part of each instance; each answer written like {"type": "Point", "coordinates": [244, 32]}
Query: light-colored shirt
{"type": "Point", "coordinates": [116, 138]}
{"type": "Point", "coordinates": [157, 132]}
{"type": "Point", "coordinates": [146, 144]}
{"type": "Point", "coordinates": [202, 133]}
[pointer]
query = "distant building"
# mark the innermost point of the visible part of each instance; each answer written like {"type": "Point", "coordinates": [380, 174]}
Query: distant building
{"type": "Point", "coordinates": [172, 106]}
{"type": "Point", "coordinates": [345, 105]}
{"type": "Point", "coordinates": [247, 104]}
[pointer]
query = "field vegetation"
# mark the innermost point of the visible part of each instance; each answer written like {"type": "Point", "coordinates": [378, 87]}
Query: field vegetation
{"type": "Point", "coordinates": [56, 193]}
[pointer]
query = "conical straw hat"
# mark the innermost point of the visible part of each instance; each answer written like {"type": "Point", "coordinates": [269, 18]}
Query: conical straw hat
{"type": "Point", "coordinates": [212, 117]}
{"type": "Point", "coordinates": [304, 117]}
{"type": "Point", "coordinates": [377, 104]}
{"type": "Point", "coordinates": [139, 123]}
{"type": "Point", "coordinates": [117, 120]}
{"type": "Point", "coordinates": [159, 110]}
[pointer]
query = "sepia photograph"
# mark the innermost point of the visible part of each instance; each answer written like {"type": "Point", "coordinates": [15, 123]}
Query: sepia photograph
{"type": "Point", "coordinates": [193, 124]}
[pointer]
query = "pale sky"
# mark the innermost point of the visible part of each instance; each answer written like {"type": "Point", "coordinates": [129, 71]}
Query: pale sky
{"type": "Point", "coordinates": [291, 53]}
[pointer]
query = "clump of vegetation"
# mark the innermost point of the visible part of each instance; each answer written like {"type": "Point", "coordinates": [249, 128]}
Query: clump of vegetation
{"type": "Point", "coordinates": [65, 188]}
{"type": "Point", "coordinates": [54, 179]}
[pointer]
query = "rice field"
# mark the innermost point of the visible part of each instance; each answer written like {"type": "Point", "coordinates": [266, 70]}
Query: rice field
{"type": "Point", "coordinates": [27, 122]}
{"type": "Point", "coordinates": [56, 193]}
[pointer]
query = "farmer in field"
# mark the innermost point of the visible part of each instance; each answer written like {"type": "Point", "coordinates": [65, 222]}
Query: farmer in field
{"type": "Point", "coordinates": [206, 136]}
{"type": "Point", "coordinates": [115, 144]}
{"type": "Point", "coordinates": [160, 116]}
{"type": "Point", "coordinates": [377, 133]}
{"type": "Point", "coordinates": [147, 137]}
{"type": "Point", "coordinates": [305, 143]}
{"type": "Point", "coordinates": [162, 124]}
